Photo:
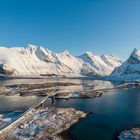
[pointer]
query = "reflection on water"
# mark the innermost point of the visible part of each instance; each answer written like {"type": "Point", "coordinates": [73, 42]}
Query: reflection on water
{"type": "Point", "coordinates": [13, 106]}
{"type": "Point", "coordinates": [78, 85]}
{"type": "Point", "coordinates": [14, 103]}
{"type": "Point", "coordinates": [8, 103]}
{"type": "Point", "coordinates": [112, 111]}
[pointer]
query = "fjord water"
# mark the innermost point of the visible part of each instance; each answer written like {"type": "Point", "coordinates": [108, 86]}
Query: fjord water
{"type": "Point", "coordinates": [16, 103]}
{"type": "Point", "coordinates": [114, 110]}
{"type": "Point", "coordinates": [14, 106]}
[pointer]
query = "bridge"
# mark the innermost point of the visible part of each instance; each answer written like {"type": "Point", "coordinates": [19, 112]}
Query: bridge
{"type": "Point", "coordinates": [37, 104]}
{"type": "Point", "coordinates": [42, 101]}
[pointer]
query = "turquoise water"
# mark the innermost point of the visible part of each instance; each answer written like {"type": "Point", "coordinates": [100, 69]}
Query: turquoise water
{"type": "Point", "coordinates": [112, 111]}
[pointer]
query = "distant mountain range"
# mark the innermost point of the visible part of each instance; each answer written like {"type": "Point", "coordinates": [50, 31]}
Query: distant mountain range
{"type": "Point", "coordinates": [36, 61]}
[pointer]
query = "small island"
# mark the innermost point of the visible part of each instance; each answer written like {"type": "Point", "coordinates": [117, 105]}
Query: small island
{"type": "Point", "coordinates": [130, 134]}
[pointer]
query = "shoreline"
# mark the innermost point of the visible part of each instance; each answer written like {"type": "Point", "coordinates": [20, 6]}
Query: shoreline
{"type": "Point", "coordinates": [65, 135]}
{"type": "Point", "coordinates": [44, 123]}
{"type": "Point", "coordinates": [128, 127]}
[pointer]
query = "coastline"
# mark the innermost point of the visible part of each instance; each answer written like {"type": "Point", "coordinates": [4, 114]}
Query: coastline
{"type": "Point", "coordinates": [128, 127]}
{"type": "Point", "coordinates": [45, 123]}
{"type": "Point", "coordinates": [65, 135]}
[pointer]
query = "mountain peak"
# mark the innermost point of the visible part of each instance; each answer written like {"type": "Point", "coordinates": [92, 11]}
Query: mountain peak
{"type": "Point", "coordinates": [135, 56]}
{"type": "Point", "coordinates": [130, 69]}
{"type": "Point", "coordinates": [87, 53]}
{"type": "Point", "coordinates": [33, 47]}
{"type": "Point", "coordinates": [66, 52]}
{"type": "Point", "coordinates": [37, 49]}
{"type": "Point", "coordinates": [136, 51]}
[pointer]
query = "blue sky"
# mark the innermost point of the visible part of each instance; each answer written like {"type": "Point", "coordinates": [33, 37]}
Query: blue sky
{"type": "Point", "coordinates": [99, 26]}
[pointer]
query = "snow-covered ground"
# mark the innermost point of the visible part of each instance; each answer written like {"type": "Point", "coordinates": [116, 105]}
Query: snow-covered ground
{"type": "Point", "coordinates": [44, 124]}
{"type": "Point", "coordinates": [35, 61]}
{"type": "Point", "coordinates": [131, 134]}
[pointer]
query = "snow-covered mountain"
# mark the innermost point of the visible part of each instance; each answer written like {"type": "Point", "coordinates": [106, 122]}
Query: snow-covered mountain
{"type": "Point", "coordinates": [130, 69]}
{"type": "Point", "coordinates": [101, 65]}
{"type": "Point", "coordinates": [39, 61]}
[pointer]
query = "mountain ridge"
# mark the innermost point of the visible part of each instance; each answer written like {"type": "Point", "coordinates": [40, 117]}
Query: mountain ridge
{"type": "Point", "coordinates": [36, 61]}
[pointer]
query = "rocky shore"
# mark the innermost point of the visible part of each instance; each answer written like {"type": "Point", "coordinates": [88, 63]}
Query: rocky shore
{"type": "Point", "coordinates": [130, 134]}
{"type": "Point", "coordinates": [44, 124]}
